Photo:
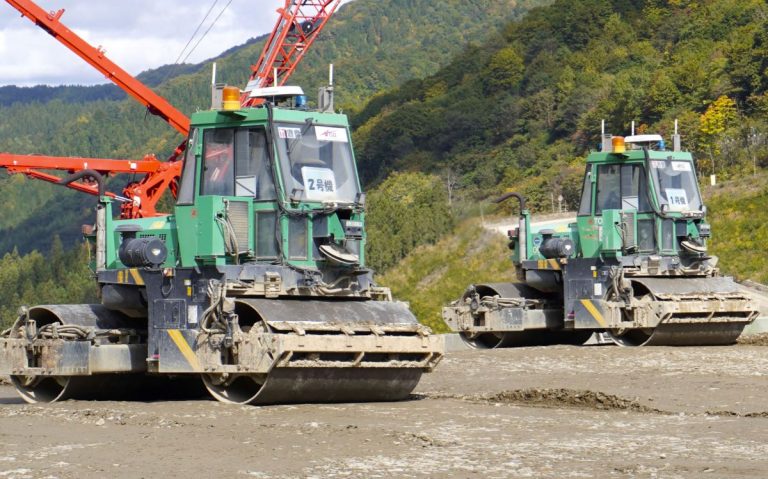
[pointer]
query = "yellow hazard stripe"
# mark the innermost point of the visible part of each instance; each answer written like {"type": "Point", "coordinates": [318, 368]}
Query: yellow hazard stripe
{"type": "Point", "coordinates": [186, 351]}
{"type": "Point", "coordinates": [137, 279]}
{"type": "Point", "coordinates": [547, 264]}
{"type": "Point", "coordinates": [589, 306]}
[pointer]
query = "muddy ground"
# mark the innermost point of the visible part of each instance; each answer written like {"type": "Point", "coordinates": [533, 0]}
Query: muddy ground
{"type": "Point", "coordinates": [599, 411]}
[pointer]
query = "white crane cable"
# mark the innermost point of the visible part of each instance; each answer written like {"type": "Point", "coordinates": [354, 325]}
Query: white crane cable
{"type": "Point", "coordinates": [208, 30]}
{"type": "Point", "coordinates": [192, 37]}
{"type": "Point", "coordinates": [194, 34]}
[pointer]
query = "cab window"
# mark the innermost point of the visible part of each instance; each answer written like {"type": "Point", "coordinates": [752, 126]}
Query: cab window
{"type": "Point", "coordinates": [236, 163]}
{"type": "Point", "coordinates": [622, 187]}
{"type": "Point", "coordinates": [187, 188]}
{"type": "Point", "coordinates": [585, 207]}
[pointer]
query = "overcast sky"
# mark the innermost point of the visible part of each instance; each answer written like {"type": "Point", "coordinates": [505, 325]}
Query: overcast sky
{"type": "Point", "coordinates": [136, 35]}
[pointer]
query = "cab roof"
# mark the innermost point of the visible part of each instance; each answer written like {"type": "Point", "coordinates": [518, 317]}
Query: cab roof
{"type": "Point", "coordinates": [260, 115]}
{"type": "Point", "coordinates": [635, 156]}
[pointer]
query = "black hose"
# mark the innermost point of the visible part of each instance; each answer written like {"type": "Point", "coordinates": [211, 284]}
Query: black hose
{"type": "Point", "coordinates": [506, 196]}
{"type": "Point", "coordinates": [83, 174]}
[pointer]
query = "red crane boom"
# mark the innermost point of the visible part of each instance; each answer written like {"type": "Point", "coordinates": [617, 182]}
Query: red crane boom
{"type": "Point", "coordinates": [49, 21]}
{"type": "Point", "coordinates": [298, 25]}
{"type": "Point", "coordinates": [139, 199]}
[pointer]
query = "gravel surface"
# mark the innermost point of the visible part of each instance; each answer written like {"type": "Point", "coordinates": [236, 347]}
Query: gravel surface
{"type": "Point", "coordinates": [552, 412]}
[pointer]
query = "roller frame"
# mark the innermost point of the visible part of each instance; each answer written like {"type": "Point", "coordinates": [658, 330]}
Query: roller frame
{"type": "Point", "coordinates": [281, 337]}
{"type": "Point", "coordinates": [711, 309]}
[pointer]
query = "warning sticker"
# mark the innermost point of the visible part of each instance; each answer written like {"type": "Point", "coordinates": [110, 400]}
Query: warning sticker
{"type": "Point", "coordinates": [328, 133]}
{"type": "Point", "coordinates": [658, 164]}
{"type": "Point", "coordinates": [289, 133]}
{"type": "Point", "coordinates": [319, 183]}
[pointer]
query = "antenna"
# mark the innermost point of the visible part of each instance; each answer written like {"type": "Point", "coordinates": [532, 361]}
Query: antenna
{"type": "Point", "coordinates": [325, 94]}
{"type": "Point", "coordinates": [274, 76]}
{"type": "Point", "coordinates": [633, 127]}
{"type": "Point", "coordinates": [216, 90]}
{"type": "Point", "coordinates": [676, 139]}
{"type": "Point", "coordinates": [607, 139]}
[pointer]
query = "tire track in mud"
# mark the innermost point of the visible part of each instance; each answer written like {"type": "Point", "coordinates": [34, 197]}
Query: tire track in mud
{"type": "Point", "coordinates": [575, 399]}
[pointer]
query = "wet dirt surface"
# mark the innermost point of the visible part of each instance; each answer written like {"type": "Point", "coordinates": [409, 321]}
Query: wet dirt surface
{"type": "Point", "coordinates": [554, 412]}
{"type": "Point", "coordinates": [754, 340]}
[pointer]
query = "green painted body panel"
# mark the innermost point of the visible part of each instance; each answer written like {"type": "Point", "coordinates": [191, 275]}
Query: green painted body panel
{"type": "Point", "coordinates": [186, 220]}
{"type": "Point", "coordinates": [208, 229]}
{"type": "Point", "coordinates": [588, 233]}
{"type": "Point", "coordinates": [221, 119]}
{"type": "Point", "coordinates": [610, 242]}
{"type": "Point", "coordinates": [162, 227]}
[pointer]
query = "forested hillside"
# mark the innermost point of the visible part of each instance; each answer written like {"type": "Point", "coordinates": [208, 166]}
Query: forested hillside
{"type": "Point", "coordinates": [58, 277]}
{"type": "Point", "coordinates": [521, 110]}
{"type": "Point", "coordinates": [374, 45]}
{"type": "Point", "coordinates": [81, 94]}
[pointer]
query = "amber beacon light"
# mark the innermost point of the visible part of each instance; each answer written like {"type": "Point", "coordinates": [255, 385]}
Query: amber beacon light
{"type": "Point", "coordinates": [618, 144]}
{"type": "Point", "coordinates": [230, 98]}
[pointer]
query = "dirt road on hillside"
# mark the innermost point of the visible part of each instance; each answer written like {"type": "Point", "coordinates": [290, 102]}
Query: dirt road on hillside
{"type": "Point", "coordinates": [554, 412]}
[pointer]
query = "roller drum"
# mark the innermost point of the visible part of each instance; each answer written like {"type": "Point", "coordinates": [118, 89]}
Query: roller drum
{"type": "Point", "coordinates": [717, 313]}
{"type": "Point", "coordinates": [317, 385]}
{"type": "Point", "coordinates": [507, 339]}
{"type": "Point", "coordinates": [318, 319]}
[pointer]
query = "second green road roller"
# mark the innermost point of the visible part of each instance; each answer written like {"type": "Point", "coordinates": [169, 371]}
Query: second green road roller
{"type": "Point", "coordinates": [634, 264]}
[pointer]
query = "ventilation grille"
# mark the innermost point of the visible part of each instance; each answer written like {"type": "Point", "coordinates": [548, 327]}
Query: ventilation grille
{"type": "Point", "coordinates": [238, 216]}
{"type": "Point", "coordinates": [628, 237]}
{"type": "Point", "coordinates": [161, 236]}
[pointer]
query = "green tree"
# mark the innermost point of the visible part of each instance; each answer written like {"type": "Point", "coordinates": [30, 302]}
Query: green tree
{"type": "Point", "coordinates": [719, 116]}
{"type": "Point", "coordinates": [405, 211]}
{"type": "Point", "coordinates": [504, 71]}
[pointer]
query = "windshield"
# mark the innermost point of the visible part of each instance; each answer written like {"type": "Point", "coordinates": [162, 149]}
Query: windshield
{"type": "Point", "coordinates": [675, 184]}
{"type": "Point", "coordinates": [316, 162]}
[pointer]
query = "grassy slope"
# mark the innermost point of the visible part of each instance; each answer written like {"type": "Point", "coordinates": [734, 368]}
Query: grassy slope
{"type": "Point", "coordinates": [433, 276]}
{"type": "Point", "coordinates": [738, 212]}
